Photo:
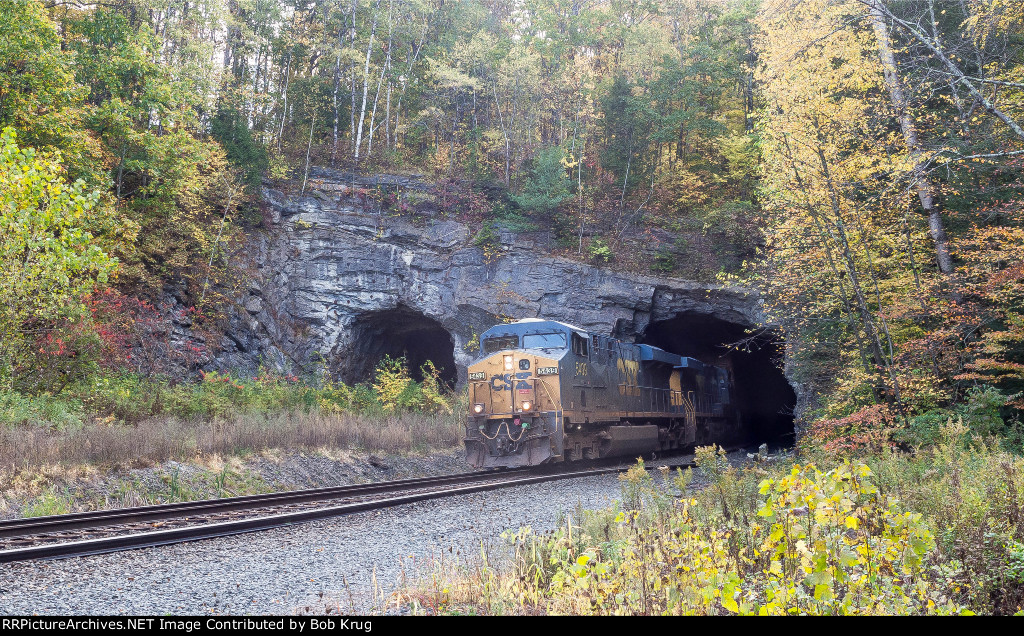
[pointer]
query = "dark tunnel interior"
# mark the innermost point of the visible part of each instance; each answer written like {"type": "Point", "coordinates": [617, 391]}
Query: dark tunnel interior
{"type": "Point", "coordinates": [763, 395]}
{"type": "Point", "coordinates": [399, 332]}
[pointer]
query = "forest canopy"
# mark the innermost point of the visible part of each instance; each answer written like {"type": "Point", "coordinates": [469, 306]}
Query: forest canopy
{"type": "Point", "coordinates": [859, 161]}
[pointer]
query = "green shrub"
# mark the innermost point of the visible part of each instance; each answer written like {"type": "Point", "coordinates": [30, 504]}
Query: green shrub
{"type": "Point", "coordinates": [599, 251]}
{"type": "Point", "coordinates": [502, 215]}
{"type": "Point", "coordinates": [488, 239]}
{"type": "Point", "coordinates": [396, 390]}
{"type": "Point", "coordinates": [664, 262]}
{"type": "Point", "coordinates": [981, 412]}
{"type": "Point", "coordinates": [547, 186]}
{"type": "Point", "coordinates": [34, 410]}
{"type": "Point", "coordinates": [127, 397]}
{"type": "Point", "coordinates": [924, 429]}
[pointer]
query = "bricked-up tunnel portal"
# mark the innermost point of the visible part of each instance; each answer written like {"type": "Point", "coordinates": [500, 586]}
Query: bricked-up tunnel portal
{"type": "Point", "coordinates": [398, 332]}
{"type": "Point", "coordinates": [763, 395]}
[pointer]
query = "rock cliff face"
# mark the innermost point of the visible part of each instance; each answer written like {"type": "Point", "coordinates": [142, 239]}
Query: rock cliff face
{"type": "Point", "coordinates": [334, 270]}
{"type": "Point", "coordinates": [338, 283]}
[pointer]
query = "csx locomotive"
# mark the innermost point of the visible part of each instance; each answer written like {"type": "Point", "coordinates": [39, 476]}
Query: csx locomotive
{"type": "Point", "coordinates": [544, 392]}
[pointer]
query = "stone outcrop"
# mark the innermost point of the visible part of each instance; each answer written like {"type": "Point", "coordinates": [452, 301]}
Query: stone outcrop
{"type": "Point", "coordinates": [333, 270]}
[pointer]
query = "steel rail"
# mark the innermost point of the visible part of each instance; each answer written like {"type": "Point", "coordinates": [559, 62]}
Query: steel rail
{"type": "Point", "coordinates": [100, 518]}
{"type": "Point", "coordinates": [252, 524]}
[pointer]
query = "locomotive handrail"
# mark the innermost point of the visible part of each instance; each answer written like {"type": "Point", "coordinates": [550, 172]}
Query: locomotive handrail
{"type": "Point", "coordinates": [658, 399]}
{"type": "Point", "coordinates": [691, 416]}
{"type": "Point", "coordinates": [556, 403]}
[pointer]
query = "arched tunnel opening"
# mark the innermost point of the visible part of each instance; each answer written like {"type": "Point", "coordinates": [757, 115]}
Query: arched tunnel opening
{"type": "Point", "coordinates": [764, 397]}
{"type": "Point", "coordinates": [399, 332]}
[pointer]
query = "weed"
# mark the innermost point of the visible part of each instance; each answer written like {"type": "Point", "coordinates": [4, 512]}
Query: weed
{"type": "Point", "coordinates": [160, 439]}
{"type": "Point", "coordinates": [47, 504]}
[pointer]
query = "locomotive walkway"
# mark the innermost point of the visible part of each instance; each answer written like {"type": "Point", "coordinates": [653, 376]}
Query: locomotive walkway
{"type": "Point", "coordinates": [79, 534]}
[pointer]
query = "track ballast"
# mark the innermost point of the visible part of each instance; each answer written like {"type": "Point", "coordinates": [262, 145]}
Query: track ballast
{"type": "Point", "coordinates": [80, 534]}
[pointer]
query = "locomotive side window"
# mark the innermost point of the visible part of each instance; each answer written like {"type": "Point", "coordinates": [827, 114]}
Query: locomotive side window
{"type": "Point", "coordinates": [544, 341]}
{"type": "Point", "coordinates": [579, 345]}
{"type": "Point", "coordinates": [500, 343]}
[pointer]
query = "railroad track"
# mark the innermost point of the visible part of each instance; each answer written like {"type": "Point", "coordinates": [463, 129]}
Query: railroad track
{"type": "Point", "coordinates": [79, 534]}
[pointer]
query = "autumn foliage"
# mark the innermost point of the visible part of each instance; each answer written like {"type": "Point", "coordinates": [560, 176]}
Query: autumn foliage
{"type": "Point", "coordinates": [893, 210]}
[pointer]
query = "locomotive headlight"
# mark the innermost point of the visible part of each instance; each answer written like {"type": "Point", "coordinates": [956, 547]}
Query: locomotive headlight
{"type": "Point", "coordinates": [508, 363]}
{"type": "Point", "coordinates": [526, 405]}
{"type": "Point", "coordinates": [478, 408]}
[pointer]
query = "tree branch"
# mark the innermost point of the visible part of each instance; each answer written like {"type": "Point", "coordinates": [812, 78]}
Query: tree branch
{"type": "Point", "coordinates": [935, 48]}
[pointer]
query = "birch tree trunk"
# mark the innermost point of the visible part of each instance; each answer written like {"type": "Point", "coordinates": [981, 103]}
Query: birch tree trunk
{"type": "Point", "coordinates": [352, 83]}
{"type": "Point", "coordinates": [955, 71]}
{"type": "Point", "coordinates": [922, 183]}
{"type": "Point", "coordinates": [366, 85]}
{"type": "Point", "coordinates": [380, 80]}
{"type": "Point", "coordinates": [337, 88]}
{"type": "Point", "coordinates": [309, 147]}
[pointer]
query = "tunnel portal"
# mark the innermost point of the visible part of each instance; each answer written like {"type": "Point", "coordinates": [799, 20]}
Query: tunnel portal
{"type": "Point", "coordinates": [398, 332]}
{"type": "Point", "coordinates": [764, 397]}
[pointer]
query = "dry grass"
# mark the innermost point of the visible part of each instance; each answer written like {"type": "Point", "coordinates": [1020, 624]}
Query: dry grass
{"type": "Point", "coordinates": [28, 448]}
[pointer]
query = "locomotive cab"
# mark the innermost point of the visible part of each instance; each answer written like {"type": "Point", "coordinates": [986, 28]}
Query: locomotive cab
{"type": "Point", "coordinates": [514, 395]}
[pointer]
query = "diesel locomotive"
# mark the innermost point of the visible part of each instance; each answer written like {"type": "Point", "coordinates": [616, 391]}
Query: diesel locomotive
{"type": "Point", "coordinates": [545, 391]}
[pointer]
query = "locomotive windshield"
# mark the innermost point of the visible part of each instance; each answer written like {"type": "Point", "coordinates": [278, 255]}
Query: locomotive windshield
{"type": "Point", "coordinates": [500, 343]}
{"type": "Point", "coordinates": [544, 341]}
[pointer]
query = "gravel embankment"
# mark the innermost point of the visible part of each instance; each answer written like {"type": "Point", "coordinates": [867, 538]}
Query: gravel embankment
{"type": "Point", "coordinates": [330, 564]}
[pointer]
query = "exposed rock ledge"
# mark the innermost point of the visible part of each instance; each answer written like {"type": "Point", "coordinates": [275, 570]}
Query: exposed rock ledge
{"type": "Point", "coordinates": [334, 273]}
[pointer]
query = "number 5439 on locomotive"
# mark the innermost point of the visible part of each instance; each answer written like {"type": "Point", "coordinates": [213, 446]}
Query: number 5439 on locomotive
{"type": "Point", "coordinates": [545, 391]}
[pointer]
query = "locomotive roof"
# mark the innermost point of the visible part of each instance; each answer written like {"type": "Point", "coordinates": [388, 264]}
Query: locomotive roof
{"type": "Point", "coordinates": [531, 325]}
{"type": "Point", "coordinates": [646, 353]}
{"type": "Point", "coordinates": [534, 326]}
